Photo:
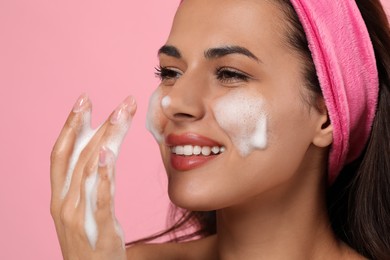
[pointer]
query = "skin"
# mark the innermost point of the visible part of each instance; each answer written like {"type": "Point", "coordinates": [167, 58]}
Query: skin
{"type": "Point", "coordinates": [271, 203]}
{"type": "Point", "coordinates": [292, 127]}
{"type": "Point", "coordinates": [69, 212]}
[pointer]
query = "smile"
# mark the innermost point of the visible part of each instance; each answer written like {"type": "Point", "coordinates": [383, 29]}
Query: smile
{"type": "Point", "coordinates": [190, 150]}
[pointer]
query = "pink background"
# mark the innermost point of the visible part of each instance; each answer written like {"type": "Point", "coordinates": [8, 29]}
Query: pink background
{"type": "Point", "coordinates": [50, 52]}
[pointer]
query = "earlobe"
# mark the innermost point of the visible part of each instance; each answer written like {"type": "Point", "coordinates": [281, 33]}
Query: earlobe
{"type": "Point", "coordinates": [324, 132]}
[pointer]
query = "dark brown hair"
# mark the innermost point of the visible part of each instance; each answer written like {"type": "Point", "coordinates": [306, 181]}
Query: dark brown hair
{"type": "Point", "coordinates": [359, 200]}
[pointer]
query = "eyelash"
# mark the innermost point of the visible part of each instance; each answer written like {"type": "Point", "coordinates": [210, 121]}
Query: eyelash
{"type": "Point", "coordinates": [230, 75]}
{"type": "Point", "coordinates": [165, 73]}
{"type": "Point", "coordinates": [224, 74]}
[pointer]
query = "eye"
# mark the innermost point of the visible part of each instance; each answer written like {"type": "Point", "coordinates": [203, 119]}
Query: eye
{"type": "Point", "coordinates": [230, 75]}
{"type": "Point", "coordinates": [167, 74]}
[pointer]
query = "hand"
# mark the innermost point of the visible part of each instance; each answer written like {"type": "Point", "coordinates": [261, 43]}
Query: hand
{"type": "Point", "coordinates": [82, 183]}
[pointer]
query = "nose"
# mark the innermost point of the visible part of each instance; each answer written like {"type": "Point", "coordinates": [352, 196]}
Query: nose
{"type": "Point", "coordinates": [184, 101]}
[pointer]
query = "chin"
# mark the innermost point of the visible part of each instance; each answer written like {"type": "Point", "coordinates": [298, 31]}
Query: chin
{"type": "Point", "coordinates": [193, 201]}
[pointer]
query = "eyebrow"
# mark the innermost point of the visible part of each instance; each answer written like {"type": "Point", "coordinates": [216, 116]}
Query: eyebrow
{"type": "Point", "coordinates": [212, 53]}
{"type": "Point", "coordinates": [227, 50]}
{"type": "Point", "coordinates": [170, 50]}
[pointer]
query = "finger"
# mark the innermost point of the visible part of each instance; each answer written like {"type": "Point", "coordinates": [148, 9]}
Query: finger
{"type": "Point", "coordinates": [65, 143]}
{"type": "Point", "coordinates": [86, 189]}
{"type": "Point", "coordinates": [120, 121]}
{"type": "Point", "coordinates": [106, 186]}
{"type": "Point", "coordinates": [110, 233]}
{"type": "Point", "coordinates": [88, 200]}
{"type": "Point", "coordinates": [84, 135]}
{"type": "Point", "coordinates": [96, 193]}
{"type": "Point", "coordinates": [111, 135]}
{"type": "Point", "coordinates": [82, 163]}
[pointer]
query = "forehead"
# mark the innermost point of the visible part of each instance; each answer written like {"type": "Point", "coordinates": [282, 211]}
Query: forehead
{"type": "Point", "coordinates": [217, 22]}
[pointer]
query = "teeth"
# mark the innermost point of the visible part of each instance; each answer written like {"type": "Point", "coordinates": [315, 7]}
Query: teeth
{"type": "Point", "coordinates": [197, 150]}
{"type": "Point", "coordinates": [215, 149]}
{"type": "Point", "coordinates": [180, 150]}
{"type": "Point", "coordinates": [206, 150]}
{"type": "Point", "coordinates": [189, 150]}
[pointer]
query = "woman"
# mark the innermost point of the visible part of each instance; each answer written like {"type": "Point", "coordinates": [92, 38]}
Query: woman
{"type": "Point", "coordinates": [262, 104]}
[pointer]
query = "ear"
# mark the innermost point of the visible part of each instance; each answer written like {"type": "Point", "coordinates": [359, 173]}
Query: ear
{"type": "Point", "coordinates": [323, 135]}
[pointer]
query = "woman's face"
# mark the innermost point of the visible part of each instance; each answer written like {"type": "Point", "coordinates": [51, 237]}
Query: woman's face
{"type": "Point", "coordinates": [232, 85]}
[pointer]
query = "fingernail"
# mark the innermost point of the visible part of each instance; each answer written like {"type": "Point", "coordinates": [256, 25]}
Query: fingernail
{"type": "Point", "coordinates": [123, 111]}
{"type": "Point", "coordinates": [105, 157]}
{"type": "Point", "coordinates": [129, 104]}
{"type": "Point", "coordinates": [80, 103]}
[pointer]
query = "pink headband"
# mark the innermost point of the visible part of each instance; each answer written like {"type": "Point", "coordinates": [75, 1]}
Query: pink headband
{"type": "Point", "coordinates": [346, 68]}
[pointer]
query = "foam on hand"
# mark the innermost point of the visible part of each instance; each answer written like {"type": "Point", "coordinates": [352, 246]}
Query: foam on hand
{"type": "Point", "coordinates": [91, 183]}
{"type": "Point", "coordinates": [90, 226]}
{"type": "Point", "coordinates": [153, 114]}
{"type": "Point", "coordinates": [85, 135]}
{"type": "Point", "coordinates": [91, 191]}
{"type": "Point", "coordinates": [241, 115]}
{"type": "Point", "coordinates": [115, 142]}
{"type": "Point", "coordinates": [117, 227]}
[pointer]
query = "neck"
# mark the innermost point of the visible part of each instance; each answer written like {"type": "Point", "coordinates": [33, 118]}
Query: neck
{"type": "Point", "coordinates": [288, 222]}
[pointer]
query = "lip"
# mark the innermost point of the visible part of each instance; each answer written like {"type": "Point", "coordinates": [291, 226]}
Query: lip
{"type": "Point", "coordinates": [190, 138]}
{"type": "Point", "coordinates": [186, 163]}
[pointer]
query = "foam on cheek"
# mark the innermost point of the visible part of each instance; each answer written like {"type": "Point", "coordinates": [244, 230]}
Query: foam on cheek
{"type": "Point", "coordinates": [242, 116]}
{"type": "Point", "coordinates": [153, 114]}
{"type": "Point", "coordinates": [85, 135]}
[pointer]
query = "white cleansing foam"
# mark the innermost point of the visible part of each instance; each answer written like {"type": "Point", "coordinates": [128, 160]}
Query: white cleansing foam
{"type": "Point", "coordinates": [90, 226]}
{"type": "Point", "coordinates": [241, 115]}
{"type": "Point", "coordinates": [154, 112]}
{"type": "Point", "coordinates": [92, 181]}
{"type": "Point", "coordinates": [85, 135]}
{"type": "Point", "coordinates": [165, 101]}
{"type": "Point", "coordinates": [91, 191]}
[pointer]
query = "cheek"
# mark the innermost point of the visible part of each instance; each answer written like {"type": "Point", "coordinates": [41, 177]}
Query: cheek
{"type": "Point", "coordinates": [154, 116]}
{"type": "Point", "coordinates": [241, 115]}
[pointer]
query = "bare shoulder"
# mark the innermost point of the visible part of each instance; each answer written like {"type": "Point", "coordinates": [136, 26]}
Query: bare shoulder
{"type": "Point", "coordinates": [204, 248]}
